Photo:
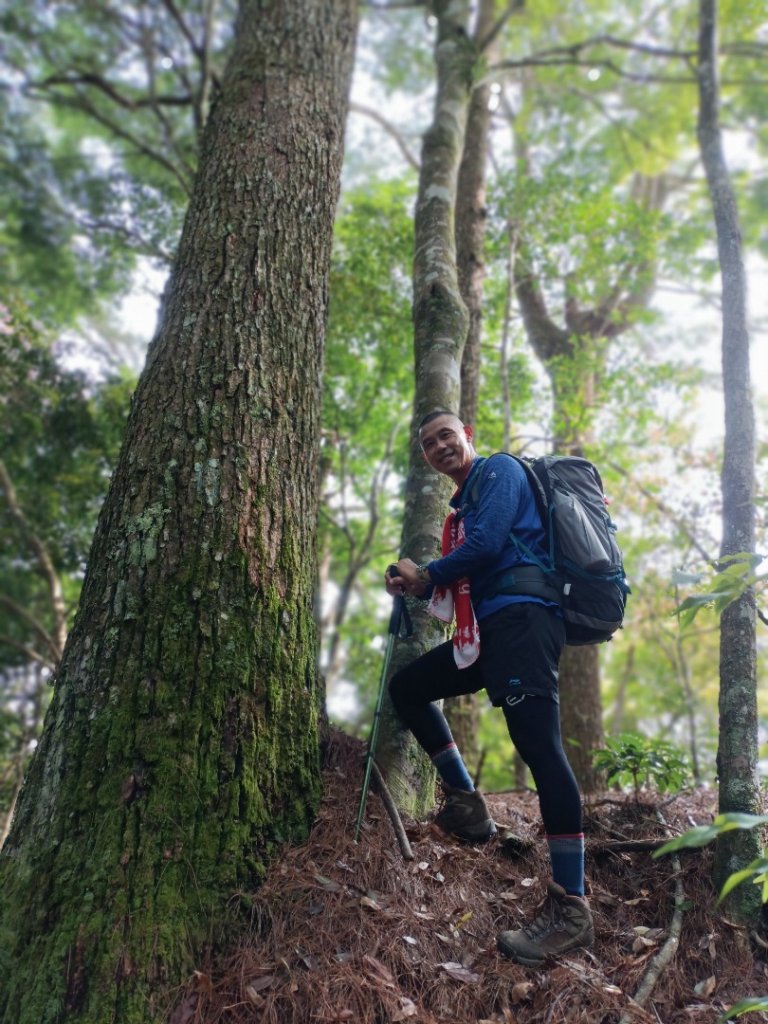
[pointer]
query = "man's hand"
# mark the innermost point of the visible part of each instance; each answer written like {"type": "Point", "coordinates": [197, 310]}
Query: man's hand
{"type": "Point", "coordinates": [407, 580]}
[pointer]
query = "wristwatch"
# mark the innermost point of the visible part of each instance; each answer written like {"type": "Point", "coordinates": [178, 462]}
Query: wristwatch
{"type": "Point", "coordinates": [423, 573]}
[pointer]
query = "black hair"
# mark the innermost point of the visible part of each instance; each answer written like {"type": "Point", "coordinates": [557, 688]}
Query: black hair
{"type": "Point", "coordinates": [434, 415]}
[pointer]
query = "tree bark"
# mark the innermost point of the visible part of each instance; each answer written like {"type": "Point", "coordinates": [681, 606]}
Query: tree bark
{"type": "Point", "coordinates": [440, 328]}
{"type": "Point", "coordinates": [738, 742]}
{"type": "Point", "coordinates": [181, 748]}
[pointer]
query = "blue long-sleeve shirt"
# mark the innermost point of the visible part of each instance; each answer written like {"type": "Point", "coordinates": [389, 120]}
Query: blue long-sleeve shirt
{"type": "Point", "coordinates": [505, 510]}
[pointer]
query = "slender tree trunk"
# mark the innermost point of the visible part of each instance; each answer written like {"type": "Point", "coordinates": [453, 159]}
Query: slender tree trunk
{"type": "Point", "coordinates": [471, 218]}
{"type": "Point", "coordinates": [463, 713]}
{"type": "Point", "coordinates": [181, 747]}
{"type": "Point", "coordinates": [738, 742]}
{"type": "Point", "coordinates": [440, 328]}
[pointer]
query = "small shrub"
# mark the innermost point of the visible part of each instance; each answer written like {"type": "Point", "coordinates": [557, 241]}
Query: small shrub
{"type": "Point", "coordinates": [632, 760]}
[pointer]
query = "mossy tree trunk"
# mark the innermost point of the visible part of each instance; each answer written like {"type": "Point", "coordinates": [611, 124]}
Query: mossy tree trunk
{"type": "Point", "coordinates": [738, 741]}
{"type": "Point", "coordinates": [182, 748]}
{"type": "Point", "coordinates": [440, 328]}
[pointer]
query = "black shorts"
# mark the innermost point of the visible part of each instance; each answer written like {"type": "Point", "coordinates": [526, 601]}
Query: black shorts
{"type": "Point", "coordinates": [520, 647]}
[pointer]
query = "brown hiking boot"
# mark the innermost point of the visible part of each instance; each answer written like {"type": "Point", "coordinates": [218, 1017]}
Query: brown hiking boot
{"type": "Point", "coordinates": [465, 815]}
{"type": "Point", "coordinates": [564, 922]}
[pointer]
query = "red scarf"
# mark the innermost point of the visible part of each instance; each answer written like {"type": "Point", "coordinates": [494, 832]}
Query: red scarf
{"type": "Point", "coordinates": [454, 599]}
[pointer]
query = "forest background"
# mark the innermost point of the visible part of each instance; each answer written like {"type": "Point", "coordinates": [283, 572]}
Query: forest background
{"type": "Point", "coordinates": [608, 185]}
{"type": "Point", "coordinates": [596, 217]}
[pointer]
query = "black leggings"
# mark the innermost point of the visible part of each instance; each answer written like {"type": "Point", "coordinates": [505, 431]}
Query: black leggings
{"type": "Point", "coordinates": [533, 724]}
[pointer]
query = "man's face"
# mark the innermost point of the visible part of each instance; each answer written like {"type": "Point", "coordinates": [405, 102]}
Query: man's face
{"type": "Point", "coordinates": [447, 446]}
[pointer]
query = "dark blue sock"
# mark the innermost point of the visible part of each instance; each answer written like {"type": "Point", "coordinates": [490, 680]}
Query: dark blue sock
{"type": "Point", "coordinates": [451, 768]}
{"type": "Point", "coordinates": [567, 856]}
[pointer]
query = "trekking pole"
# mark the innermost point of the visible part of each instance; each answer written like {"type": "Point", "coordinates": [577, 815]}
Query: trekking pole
{"type": "Point", "coordinates": [399, 614]}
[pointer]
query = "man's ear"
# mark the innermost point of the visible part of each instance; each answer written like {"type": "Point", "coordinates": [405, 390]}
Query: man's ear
{"type": "Point", "coordinates": [469, 431]}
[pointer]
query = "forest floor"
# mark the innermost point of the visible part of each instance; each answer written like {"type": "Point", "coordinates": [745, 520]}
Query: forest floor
{"type": "Point", "coordinates": [355, 932]}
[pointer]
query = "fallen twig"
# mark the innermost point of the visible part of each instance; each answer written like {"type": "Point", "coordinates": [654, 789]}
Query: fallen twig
{"type": "Point", "coordinates": [389, 803]}
{"type": "Point", "coordinates": [668, 950]}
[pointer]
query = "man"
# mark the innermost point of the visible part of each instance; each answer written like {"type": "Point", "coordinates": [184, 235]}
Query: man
{"type": "Point", "coordinates": [508, 643]}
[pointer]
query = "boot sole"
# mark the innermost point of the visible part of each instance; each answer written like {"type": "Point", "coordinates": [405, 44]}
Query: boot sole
{"type": "Point", "coordinates": [482, 836]}
{"type": "Point", "coordinates": [530, 961]}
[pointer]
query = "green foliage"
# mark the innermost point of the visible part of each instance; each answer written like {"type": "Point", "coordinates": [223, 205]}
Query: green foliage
{"type": "Point", "coordinates": [60, 440]}
{"type": "Point", "coordinates": [745, 1006]}
{"type": "Point", "coordinates": [719, 587]}
{"type": "Point", "coordinates": [702, 835]}
{"type": "Point", "coordinates": [631, 759]}
{"type": "Point", "coordinates": [54, 203]}
{"type": "Point", "coordinates": [366, 412]}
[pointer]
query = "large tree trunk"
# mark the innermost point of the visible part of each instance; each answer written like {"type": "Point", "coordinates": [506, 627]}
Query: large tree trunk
{"type": "Point", "coordinates": [181, 747]}
{"type": "Point", "coordinates": [440, 328]}
{"type": "Point", "coordinates": [738, 743]}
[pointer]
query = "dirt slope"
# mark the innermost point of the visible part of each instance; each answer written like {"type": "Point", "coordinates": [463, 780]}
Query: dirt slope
{"type": "Point", "coordinates": [357, 933]}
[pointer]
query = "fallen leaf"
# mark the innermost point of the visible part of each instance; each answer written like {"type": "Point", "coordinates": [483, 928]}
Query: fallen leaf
{"type": "Point", "coordinates": [328, 883]}
{"type": "Point", "coordinates": [706, 987]}
{"type": "Point", "coordinates": [203, 983]}
{"type": "Point", "coordinates": [262, 982]}
{"type": "Point", "coordinates": [368, 902]}
{"type": "Point", "coordinates": [642, 943]}
{"type": "Point", "coordinates": [528, 882]}
{"type": "Point", "coordinates": [254, 996]}
{"type": "Point", "coordinates": [407, 1009]}
{"type": "Point", "coordinates": [383, 974]}
{"type": "Point", "coordinates": [410, 940]}
{"type": "Point", "coordinates": [439, 876]}
{"type": "Point", "coordinates": [635, 902]}
{"type": "Point", "coordinates": [459, 972]}
{"type": "Point", "coordinates": [521, 991]}
{"type": "Point", "coordinates": [307, 959]}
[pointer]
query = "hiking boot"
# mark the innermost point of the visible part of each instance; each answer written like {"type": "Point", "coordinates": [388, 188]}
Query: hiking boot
{"type": "Point", "coordinates": [564, 922]}
{"type": "Point", "coordinates": [465, 815]}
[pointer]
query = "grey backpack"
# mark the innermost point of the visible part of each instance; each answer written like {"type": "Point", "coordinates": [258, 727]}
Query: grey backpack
{"type": "Point", "coordinates": [584, 570]}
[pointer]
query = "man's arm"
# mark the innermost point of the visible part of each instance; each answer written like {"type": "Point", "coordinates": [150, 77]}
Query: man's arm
{"type": "Point", "coordinates": [502, 488]}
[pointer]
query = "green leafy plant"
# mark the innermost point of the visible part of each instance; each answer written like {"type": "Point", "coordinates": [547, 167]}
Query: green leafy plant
{"type": "Point", "coordinates": [632, 760]}
{"type": "Point", "coordinates": [719, 588]}
{"type": "Point", "coordinates": [701, 835]}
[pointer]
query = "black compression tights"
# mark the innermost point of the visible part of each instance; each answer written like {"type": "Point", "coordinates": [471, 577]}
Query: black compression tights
{"type": "Point", "coordinates": [534, 727]}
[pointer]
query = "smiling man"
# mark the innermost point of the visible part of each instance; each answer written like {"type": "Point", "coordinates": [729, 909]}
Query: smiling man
{"type": "Point", "coordinates": [507, 641]}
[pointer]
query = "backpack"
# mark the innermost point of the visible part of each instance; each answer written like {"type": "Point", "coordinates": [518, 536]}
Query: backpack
{"type": "Point", "coordinates": [585, 574]}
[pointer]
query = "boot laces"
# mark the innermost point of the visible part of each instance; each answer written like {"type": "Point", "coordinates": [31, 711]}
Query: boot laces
{"type": "Point", "coordinates": [550, 918]}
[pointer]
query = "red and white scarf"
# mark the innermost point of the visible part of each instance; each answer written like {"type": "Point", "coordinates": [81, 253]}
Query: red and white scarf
{"type": "Point", "coordinates": [454, 600]}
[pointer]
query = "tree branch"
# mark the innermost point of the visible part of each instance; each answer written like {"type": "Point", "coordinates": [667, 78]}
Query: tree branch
{"type": "Point", "coordinates": [389, 128]}
{"type": "Point", "coordinates": [81, 102]}
{"type": "Point", "coordinates": [44, 561]}
{"type": "Point", "coordinates": [177, 16]}
{"type": "Point", "coordinates": [28, 652]}
{"type": "Point", "coordinates": [512, 8]}
{"type": "Point", "coordinates": [109, 90]}
{"type": "Point", "coordinates": [667, 511]}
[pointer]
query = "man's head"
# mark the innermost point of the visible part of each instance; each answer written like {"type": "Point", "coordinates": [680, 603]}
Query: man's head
{"type": "Point", "coordinates": [447, 444]}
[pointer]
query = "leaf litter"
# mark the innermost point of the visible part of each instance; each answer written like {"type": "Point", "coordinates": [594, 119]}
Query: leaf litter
{"type": "Point", "coordinates": [344, 932]}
